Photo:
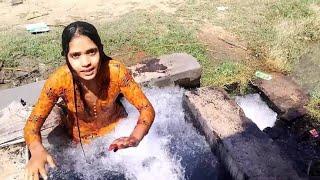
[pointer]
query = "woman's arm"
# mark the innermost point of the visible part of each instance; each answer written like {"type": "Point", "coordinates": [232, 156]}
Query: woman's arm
{"type": "Point", "coordinates": [39, 155]}
{"type": "Point", "coordinates": [48, 97]}
{"type": "Point", "coordinates": [133, 93]}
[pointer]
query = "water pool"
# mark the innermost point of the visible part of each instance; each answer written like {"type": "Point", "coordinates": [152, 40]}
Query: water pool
{"type": "Point", "coordinates": [172, 150]}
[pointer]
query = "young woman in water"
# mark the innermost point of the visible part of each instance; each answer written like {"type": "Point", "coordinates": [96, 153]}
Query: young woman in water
{"type": "Point", "coordinates": [90, 85]}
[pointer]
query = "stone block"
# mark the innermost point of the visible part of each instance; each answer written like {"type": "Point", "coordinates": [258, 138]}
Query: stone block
{"type": "Point", "coordinates": [28, 93]}
{"type": "Point", "coordinates": [283, 95]}
{"type": "Point", "coordinates": [168, 70]}
{"type": "Point", "coordinates": [12, 133]}
{"type": "Point", "coordinates": [247, 152]}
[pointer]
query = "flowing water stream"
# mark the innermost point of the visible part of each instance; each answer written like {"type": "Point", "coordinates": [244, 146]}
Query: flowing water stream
{"type": "Point", "coordinates": [173, 149]}
{"type": "Point", "coordinates": [257, 110]}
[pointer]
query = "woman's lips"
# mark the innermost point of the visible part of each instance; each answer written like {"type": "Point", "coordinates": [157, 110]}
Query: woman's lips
{"type": "Point", "coordinates": [87, 70]}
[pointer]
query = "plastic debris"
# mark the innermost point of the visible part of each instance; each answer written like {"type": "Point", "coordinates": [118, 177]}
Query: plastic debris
{"type": "Point", "coordinates": [263, 75]}
{"type": "Point", "coordinates": [222, 8]}
{"type": "Point", "coordinates": [37, 28]}
{"type": "Point", "coordinates": [314, 133]}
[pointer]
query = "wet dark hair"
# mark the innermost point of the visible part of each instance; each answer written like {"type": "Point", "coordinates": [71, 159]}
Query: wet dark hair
{"type": "Point", "coordinates": [81, 28]}
{"type": "Point", "coordinates": [86, 29]}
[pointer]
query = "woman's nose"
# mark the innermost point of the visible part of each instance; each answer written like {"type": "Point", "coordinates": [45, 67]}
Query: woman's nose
{"type": "Point", "coordinates": [85, 61]}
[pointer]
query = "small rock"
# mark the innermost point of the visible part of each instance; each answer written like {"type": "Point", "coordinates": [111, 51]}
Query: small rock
{"type": "Point", "coordinates": [283, 95]}
{"type": "Point", "coordinates": [16, 2]}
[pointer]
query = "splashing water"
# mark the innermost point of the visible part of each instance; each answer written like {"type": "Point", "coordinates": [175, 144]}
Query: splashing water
{"type": "Point", "coordinates": [172, 149]}
{"type": "Point", "coordinates": [257, 110]}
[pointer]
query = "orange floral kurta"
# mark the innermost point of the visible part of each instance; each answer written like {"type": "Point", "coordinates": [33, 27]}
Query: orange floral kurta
{"type": "Point", "coordinates": [100, 117]}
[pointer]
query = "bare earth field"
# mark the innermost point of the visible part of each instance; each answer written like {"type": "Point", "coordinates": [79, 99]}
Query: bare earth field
{"type": "Point", "coordinates": [62, 12]}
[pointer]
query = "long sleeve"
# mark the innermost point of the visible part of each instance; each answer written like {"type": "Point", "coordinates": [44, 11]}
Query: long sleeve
{"type": "Point", "coordinates": [133, 93]}
{"type": "Point", "coordinates": [48, 97]}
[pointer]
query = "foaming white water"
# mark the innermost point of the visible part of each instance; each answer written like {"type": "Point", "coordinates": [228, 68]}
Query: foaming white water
{"type": "Point", "coordinates": [257, 110]}
{"type": "Point", "coordinates": [171, 150]}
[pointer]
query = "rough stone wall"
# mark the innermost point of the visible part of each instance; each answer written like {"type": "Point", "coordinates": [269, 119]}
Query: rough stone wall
{"type": "Point", "coordinates": [247, 152]}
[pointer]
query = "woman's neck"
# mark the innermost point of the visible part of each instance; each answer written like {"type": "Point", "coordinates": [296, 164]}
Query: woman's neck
{"type": "Point", "coordinates": [90, 85]}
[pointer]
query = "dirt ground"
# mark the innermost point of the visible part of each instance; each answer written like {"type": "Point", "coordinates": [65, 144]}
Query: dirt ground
{"type": "Point", "coordinates": [62, 12]}
{"type": "Point", "coordinates": [12, 162]}
{"type": "Point", "coordinates": [223, 45]}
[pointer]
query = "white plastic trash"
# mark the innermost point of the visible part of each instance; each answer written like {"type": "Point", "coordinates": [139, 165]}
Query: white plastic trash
{"type": "Point", "coordinates": [222, 8]}
{"type": "Point", "coordinates": [37, 28]}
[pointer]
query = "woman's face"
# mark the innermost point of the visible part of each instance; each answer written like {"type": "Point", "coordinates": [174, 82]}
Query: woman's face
{"type": "Point", "coordinates": [84, 57]}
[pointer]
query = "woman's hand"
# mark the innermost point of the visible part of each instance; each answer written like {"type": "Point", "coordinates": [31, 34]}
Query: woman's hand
{"type": "Point", "coordinates": [36, 165]}
{"type": "Point", "coordinates": [124, 142]}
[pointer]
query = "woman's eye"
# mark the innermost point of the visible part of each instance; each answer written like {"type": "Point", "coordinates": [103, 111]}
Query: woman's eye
{"type": "Point", "coordinates": [75, 56]}
{"type": "Point", "coordinates": [92, 52]}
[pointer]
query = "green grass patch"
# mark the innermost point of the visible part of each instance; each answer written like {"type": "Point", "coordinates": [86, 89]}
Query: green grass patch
{"type": "Point", "coordinates": [280, 31]}
{"type": "Point", "coordinates": [44, 47]}
{"type": "Point", "coordinates": [314, 110]}
{"type": "Point", "coordinates": [290, 9]}
{"type": "Point", "coordinates": [158, 34]}
{"type": "Point", "coordinates": [228, 73]}
{"type": "Point", "coordinates": [152, 33]}
{"type": "Point", "coordinates": [313, 106]}
{"type": "Point", "coordinates": [278, 34]}
{"type": "Point", "coordinates": [155, 34]}
{"type": "Point", "coordinates": [277, 31]}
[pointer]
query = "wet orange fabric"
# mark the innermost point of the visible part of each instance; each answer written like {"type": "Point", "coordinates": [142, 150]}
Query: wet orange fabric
{"type": "Point", "coordinates": [102, 115]}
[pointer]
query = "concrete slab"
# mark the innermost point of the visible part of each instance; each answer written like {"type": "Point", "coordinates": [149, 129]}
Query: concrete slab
{"type": "Point", "coordinates": [283, 95]}
{"type": "Point", "coordinates": [28, 93]}
{"type": "Point", "coordinates": [247, 152]}
{"type": "Point", "coordinates": [175, 69]}
{"type": "Point", "coordinates": [12, 133]}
